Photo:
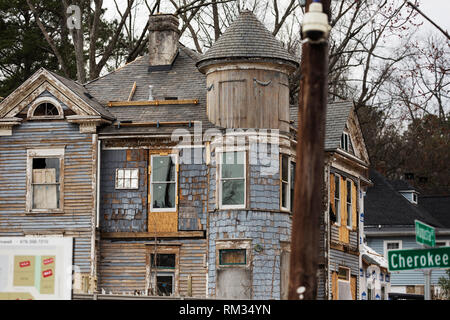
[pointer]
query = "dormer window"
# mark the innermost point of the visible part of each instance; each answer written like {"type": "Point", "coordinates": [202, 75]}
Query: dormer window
{"type": "Point", "coordinates": [414, 198]}
{"type": "Point", "coordinates": [345, 142]}
{"type": "Point", "coordinates": [45, 108]}
{"type": "Point", "coordinates": [410, 195]}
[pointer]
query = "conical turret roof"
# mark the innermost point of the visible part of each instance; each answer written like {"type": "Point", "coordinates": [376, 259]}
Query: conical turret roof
{"type": "Point", "coordinates": [247, 38]}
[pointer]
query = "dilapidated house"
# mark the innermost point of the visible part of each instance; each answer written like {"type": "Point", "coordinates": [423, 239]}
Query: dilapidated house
{"type": "Point", "coordinates": [174, 174]}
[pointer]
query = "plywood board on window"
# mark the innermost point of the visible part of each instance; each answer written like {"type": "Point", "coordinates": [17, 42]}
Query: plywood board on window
{"type": "Point", "coordinates": [353, 287]}
{"type": "Point", "coordinates": [163, 222]}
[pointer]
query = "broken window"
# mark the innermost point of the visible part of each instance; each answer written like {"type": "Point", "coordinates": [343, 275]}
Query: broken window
{"type": "Point", "coordinates": [337, 193]}
{"type": "Point", "coordinates": [163, 261]}
{"type": "Point", "coordinates": [127, 179]}
{"type": "Point", "coordinates": [164, 284]}
{"type": "Point", "coordinates": [232, 184]}
{"type": "Point", "coordinates": [349, 203]}
{"type": "Point", "coordinates": [232, 257]}
{"type": "Point", "coordinates": [46, 110]}
{"type": "Point", "coordinates": [163, 183]}
{"type": "Point", "coordinates": [44, 180]}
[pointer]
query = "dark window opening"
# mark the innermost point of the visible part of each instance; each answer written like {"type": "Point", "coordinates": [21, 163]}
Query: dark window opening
{"type": "Point", "coordinates": [46, 109]}
{"type": "Point", "coordinates": [163, 261]}
{"type": "Point", "coordinates": [170, 98]}
{"type": "Point", "coordinates": [164, 285]}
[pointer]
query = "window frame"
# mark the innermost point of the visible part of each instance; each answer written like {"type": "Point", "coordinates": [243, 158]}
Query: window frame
{"type": "Point", "coordinates": [289, 197]}
{"type": "Point", "coordinates": [232, 250]}
{"type": "Point", "coordinates": [238, 244]}
{"type": "Point", "coordinates": [220, 155]}
{"type": "Point", "coordinates": [163, 154]}
{"type": "Point", "coordinates": [154, 272]}
{"type": "Point", "coordinates": [345, 142]}
{"type": "Point", "coordinates": [54, 153]}
{"type": "Point", "coordinates": [337, 208]}
{"type": "Point", "coordinates": [40, 101]}
{"type": "Point", "coordinates": [347, 274]}
{"type": "Point", "coordinates": [117, 179]}
{"type": "Point", "coordinates": [385, 245]}
{"type": "Point", "coordinates": [349, 197]}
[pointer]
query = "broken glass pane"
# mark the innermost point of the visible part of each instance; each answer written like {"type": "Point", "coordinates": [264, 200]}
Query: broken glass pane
{"type": "Point", "coordinates": [163, 260]}
{"type": "Point", "coordinates": [163, 169]}
{"type": "Point", "coordinates": [233, 192]}
{"type": "Point", "coordinates": [164, 284]}
{"type": "Point", "coordinates": [163, 195]}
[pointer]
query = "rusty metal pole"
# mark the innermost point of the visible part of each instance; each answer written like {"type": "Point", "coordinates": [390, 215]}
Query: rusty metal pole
{"type": "Point", "coordinates": [309, 175]}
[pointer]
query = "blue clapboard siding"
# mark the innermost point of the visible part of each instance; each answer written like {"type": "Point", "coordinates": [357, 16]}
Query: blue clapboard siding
{"type": "Point", "coordinates": [122, 265]}
{"type": "Point", "coordinates": [78, 196]}
{"type": "Point", "coordinates": [408, 277]}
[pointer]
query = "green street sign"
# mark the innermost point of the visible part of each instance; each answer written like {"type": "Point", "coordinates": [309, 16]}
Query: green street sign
{"type": "Point", "coordinates": [425, 234]}
{"type": "Point", "coordinates": [419, 259]}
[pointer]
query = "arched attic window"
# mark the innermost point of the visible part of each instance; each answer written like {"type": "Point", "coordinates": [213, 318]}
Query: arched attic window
{"type": "Point", "coordinates": [45, 108]}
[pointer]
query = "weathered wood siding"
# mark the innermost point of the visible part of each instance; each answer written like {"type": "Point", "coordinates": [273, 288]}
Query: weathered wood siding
{"type": "Point", "coordinates": [123, 264]}
{"type": "Point", "coordinates": [248, 98]}
{"type": "Point", "coordinates": [76, 220]}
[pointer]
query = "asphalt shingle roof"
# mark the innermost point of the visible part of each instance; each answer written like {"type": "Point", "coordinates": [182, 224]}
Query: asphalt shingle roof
{"type": "Point", "coordinates": [183, 81]}
{"type": "Point", "coordinates": [383, 205]}
{"type": "Point", "coordinates": [247, 37]}
{"type": "Point", "coordinates": [336, 119]}
{"type": "Point", "coordinates": [438, 207]}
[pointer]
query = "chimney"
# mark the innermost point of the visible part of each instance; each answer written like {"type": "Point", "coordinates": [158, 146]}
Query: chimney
{"type": "Point", "coordinates": [163, 39]}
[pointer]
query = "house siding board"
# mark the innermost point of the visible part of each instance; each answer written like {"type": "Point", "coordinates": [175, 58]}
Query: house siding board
{"type": "Point", "coordinates": [78, 196]}
{"type": "Point", "coordinates": [407, 277]}
{"type": "Point", "coordinates": [123, 265]}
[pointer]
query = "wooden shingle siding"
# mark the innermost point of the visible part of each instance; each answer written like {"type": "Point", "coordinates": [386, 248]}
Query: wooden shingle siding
{"type": "Point", "coordinates": [78, 189]}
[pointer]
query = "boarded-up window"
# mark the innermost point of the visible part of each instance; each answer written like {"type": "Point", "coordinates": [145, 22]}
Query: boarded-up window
{"type": "Point", "coordinates": [232, 184]}
{"type": "Point", "coordinates": [163, 182]}
{"type": "Point", "coordinates": [344, 287]}
{"type": "Point", "coordinates": [232, 257]}
{"type": "Point", "coordinates": [46, 183]}
{"type": "Point", "coordinates": [232, 96]}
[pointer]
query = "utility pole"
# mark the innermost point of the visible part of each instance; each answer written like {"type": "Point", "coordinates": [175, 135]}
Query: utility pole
{"type": "Point", "coordinates": [309, 175]}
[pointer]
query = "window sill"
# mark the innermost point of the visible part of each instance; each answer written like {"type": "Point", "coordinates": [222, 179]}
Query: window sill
{"type": "Point", "coordinates": [37, 212]}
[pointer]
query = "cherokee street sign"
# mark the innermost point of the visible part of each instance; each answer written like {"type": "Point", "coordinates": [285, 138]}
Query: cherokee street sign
{"type": "Point", "coordinates": [425, 234]}
{"type": "Point", "coordinates": [419, 259]}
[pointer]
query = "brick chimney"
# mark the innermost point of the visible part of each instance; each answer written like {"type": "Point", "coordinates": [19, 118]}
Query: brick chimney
{"type": "Point", "coordinates": [163, 39]}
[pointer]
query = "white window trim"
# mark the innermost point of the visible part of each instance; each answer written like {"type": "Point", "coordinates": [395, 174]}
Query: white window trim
{"type": "Point", "coordinates": [289, 195]}
{"type": "Point", "coordinates": [349, 274]}
{"type": "Point", "coordinates": [124, 188]}
{"type": "Point", "coordinates": [175, 209]}
{"type": "Point", "coordinates": [350, 227]}
{"type": "Point", "coordinates": [44, 153]}
{"type": "Point", "coordinates": [41, 100]}
{"type": "Point", "coordinates": [220, 157]}
{"type": "Point", "coordinates": [338, 209]}
{"type": "Point", "coordinates": [385, 243]}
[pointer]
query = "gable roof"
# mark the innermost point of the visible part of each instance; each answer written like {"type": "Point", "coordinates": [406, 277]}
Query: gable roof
{"type": "Point", "coordinates": [182, 81]}
{"type": "Point", "coordinates": [336, 119]}
{"type": "Point", "coordinates": [438, 207]}
{"type": "Point", "coordinates": [401, 185]}
{"type": "Point", "coordinates": [383, 205]}
{"type": "Point", "coordinates": [71, 93]}
{"type": "Point", "coordinates": [247, 38]}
